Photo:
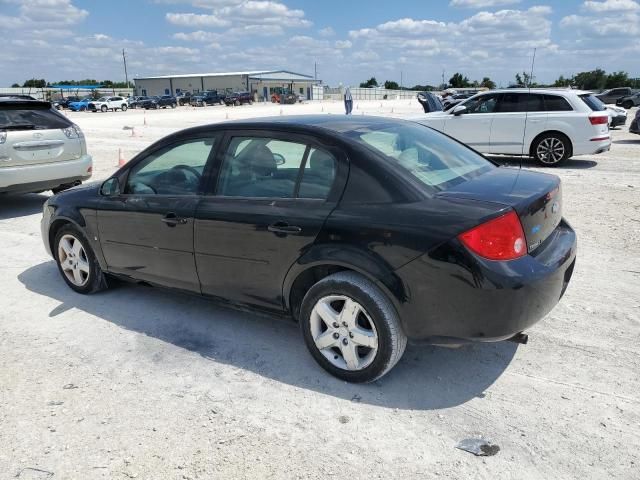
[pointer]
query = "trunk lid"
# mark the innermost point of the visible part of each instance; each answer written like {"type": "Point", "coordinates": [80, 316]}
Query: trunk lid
{"type": "Point", "coordinates": [536, 198]}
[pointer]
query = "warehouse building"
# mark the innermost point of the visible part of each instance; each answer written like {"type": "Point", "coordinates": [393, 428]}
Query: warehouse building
{"type": "Point", "coordinates": [261, 83]}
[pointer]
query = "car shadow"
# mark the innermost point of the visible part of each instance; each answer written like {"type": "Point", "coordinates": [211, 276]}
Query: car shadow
{"type": "Point", "coordinates": [14, 206]}
{"type": "Point", "coordinates": [528, 162]}
{"type": "Point", "coordinates": [628, 142]}
{"type": "Point", "coordinates": [426, 378]}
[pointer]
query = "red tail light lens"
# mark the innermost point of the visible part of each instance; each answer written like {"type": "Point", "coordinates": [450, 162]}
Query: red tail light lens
{"type": "Point", "coordinates": [499, 239]}
{"type": "Point", "coordinates": [599, 119]}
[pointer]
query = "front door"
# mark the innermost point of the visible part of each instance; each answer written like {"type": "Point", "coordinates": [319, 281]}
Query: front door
{"type": "Point", "coordinates": [473, 127]}
{"type": "Point", "coordinates": [273, 195]}
{"type": "Point", "coordinates": [146, 231]}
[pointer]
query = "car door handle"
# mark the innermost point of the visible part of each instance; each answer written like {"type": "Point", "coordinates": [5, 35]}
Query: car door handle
{"type": "Point", "coordinates": [171, 219]}
{"type": "Point", "coordinates": [284, 227]}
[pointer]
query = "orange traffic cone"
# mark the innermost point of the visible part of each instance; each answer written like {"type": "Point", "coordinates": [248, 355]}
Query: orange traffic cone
{"type": "Point", "coordinates": [121, 160]}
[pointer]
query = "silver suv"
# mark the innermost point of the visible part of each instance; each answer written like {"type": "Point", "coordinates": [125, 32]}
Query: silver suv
{"type": "Point", "coordinates": [40, 149]}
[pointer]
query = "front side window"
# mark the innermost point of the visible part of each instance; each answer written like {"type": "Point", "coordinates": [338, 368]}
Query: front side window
{"type": "Point", "coordinates": [262, 167]}
{"type": "Point", "coordinates": [434, 160]}
{"type": "Point", "coordinates": [481, 104]}
{"type": "Point", "coordinates": [174, 170]}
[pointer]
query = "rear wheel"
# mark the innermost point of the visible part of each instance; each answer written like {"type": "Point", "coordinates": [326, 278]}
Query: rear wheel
{"type": "Point", "coordinates": [173, 105]}
{"type": "Point", "coordinates": [76, 261]}
{"type": "Point", "coordinates": [628, 104]}
{"type": "Point", "coordinates": [351, 328]}
{"type": "Point", "coordinates": [551, 149]}
{"type": "Point", "coordinates": [124, 108]}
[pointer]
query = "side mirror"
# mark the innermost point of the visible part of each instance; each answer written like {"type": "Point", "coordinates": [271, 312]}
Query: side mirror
{"type": "Point", "coordinates": [110, 187]}
{"type": "Point", "coordinates": [459, 110]}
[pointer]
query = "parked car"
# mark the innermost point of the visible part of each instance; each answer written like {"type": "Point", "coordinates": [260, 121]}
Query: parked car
{"type": "Point", "coordinates": [40, 149]}
{"type": "Point", "coordinates": [133, 102]}
{"type": "Point", "coordinates": [80, 105]}
{"type": "Point", "coordinates": [455, 99]}
{"type": "Point", "coordinates": [65, 101]}
{"type": "Point", "coordinates": [549, 125]}
{"type": "Point", "coordinates": [629, 101]}
{"type": "Point", "coordinates": [617, 116]}
{"type": "Point", "coordinates": [211, 97]}
{"type": "Point", "coordinates": [17, 95]}
{"type": "Point", "coordinates": [635, 124]}
{"type": "Point", "coordinates": [104, 104]}
{"type": "Point", "coordinates": [286, 98]}
{"type": "Point", "coordinates": [184, 98]}
{"type": "Point", "coordinates": [368, 231]}
{"type": "Point", "coordinates": [158, 102]}
{"type": "Point", "coordinates": [430, 102]}
{"type": "Point", "coordinates": [613, 94]}
{"type": "Point", "coordinates": [238, 98]}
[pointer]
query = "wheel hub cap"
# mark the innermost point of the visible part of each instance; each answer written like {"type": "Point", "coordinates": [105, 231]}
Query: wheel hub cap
{"type": "Point", "coordinates": [73, 260]}
{"type": "Point", "coordinates": [343, 332]}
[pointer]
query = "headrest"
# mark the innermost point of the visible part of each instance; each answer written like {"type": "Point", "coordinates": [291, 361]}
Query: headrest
{"type": "Point", "coordinates": [321, 160]}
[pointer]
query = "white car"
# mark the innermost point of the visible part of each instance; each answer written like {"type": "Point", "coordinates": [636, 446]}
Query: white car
{"type": "Point", "coordinates": [546, 124]}
{"type": "Point", "coordinates": [108, 103]}
{"type": "Point", "coordinates": [40, 149]}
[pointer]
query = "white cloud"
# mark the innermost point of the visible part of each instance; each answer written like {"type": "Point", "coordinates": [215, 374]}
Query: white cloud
{"type": "Point", "coordinates": [343, 44]}
{"type": "Point", "coordinates": [611, 6]}
{"type": "Point", "coordinates": [195, 20]}
{"type": "Point", "coordinates": [481, 3]}
{"type": "Point", "coordinates": [326, 32]}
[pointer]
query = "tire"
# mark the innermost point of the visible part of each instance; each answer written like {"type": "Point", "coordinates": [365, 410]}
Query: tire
{"type": "Point", "coordinates": [124, 108]}
{"type": "Point", "coordinates": [156, 107]}
{"type": "Point", "coordinates": [92, 279]}
{"type": "Point", "coordinates": [173, 105]}
{"type": "Point", "coordinates": [376, 322]}
{"type": "Point", "coordinates": [237, 103]}
{"type": "Point", "coordinates": [221, 102]}
{"type": "Point", "coordinates": [250, 102]}
{"type": "Point", "coordinates": [551, 149]}
{"type": "Point", "coordinates": [103, 109]}
{"type": "Point", "coordinates": [628, 104]}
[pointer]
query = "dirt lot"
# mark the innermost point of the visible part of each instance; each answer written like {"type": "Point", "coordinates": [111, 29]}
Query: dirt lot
{"type": "Point", "coordinates": [139, 383]}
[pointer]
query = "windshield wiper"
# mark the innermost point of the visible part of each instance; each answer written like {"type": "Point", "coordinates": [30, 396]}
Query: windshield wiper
{"type": "Point", "coordinates": [20, 126]}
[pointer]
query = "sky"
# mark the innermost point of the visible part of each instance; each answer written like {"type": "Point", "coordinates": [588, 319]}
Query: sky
{"type": "Point", "coordinates": [408, 41]}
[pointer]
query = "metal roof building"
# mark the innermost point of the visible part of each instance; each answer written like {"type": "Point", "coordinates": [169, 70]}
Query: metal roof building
{"type": "Point", "coordinates": [262, 83]}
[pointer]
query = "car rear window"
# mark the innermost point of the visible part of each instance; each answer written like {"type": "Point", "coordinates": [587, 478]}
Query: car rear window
{"type": "Point", "coordinates": [593, 102]}
{"type": "Point", "coordinates": [431, 158]}
{"type": "Point", "coordinates": [31, 117]}
{"type": "Point", "coordinates": [556, 103]}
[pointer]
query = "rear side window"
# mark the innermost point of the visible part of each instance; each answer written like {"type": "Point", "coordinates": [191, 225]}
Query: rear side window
{"type": "Point", "coordinates": [593, 102]}
{"type": "Point", "coordinates": [556, 103]}
{"type": "Point", "coordinates": [520, 102]}
{"type": "Point", "coordinates": [20, 117]}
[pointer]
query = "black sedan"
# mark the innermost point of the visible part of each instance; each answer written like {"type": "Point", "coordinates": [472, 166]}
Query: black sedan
{"type": "Point", "coordinates": [164, 101]}
{"type": "Point", "coordinates": [367, 231]}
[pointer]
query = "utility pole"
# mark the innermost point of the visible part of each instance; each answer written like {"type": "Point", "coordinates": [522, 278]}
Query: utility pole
{"type": "Point", "coordinates": [315, 71]}
{"type": "Point", "coordinates": [401, 80]}
{"type": "Point", "coordinates": [443, 84]}
{"type": "Point", "coordinates": [124, 59]}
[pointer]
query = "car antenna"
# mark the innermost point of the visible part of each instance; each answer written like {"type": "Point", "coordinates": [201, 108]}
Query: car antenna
{"type": "Point", "coordinates": [526, 113]}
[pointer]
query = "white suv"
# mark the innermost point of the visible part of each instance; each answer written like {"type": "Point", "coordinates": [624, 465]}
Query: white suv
{"type": "Point", "coordinates": [548, 125]}
{"type": "Point", "coordinates": [108, 103]}
{"type": "Point", "coordinates": [40, 149]}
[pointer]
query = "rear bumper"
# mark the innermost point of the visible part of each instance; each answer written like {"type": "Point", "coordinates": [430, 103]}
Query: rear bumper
{"type": "Point", "coordinates": [34, 178]}
{"type": "Point", "coordinates": [590, 147]}
{"type": "Point", "coordinates": [453, 295]}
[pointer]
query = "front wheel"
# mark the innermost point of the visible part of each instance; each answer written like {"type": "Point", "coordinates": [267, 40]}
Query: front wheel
{"type": "Point", "coordinates": [173, 105]}
{"type": "Point", "coordinates": [103, 108]}
{"type": "Point", "coordinates": [628, 104]}
{"type": "Point", "coordinates": [351, 328]}
{"type": "Point", "coordinates": [124, 108]}
{"type": "Point", "coordinates": [76, 261]}
{"type": "Point", "coordinates": [551, 149]}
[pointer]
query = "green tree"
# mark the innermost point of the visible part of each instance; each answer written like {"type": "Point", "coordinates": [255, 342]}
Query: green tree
{"type": "Point", "coordinates": [524, 79]}
{"type": "Point", "coordinates": [391, 85]}
{"type": "Point", "coordinates": [372, 82]}
{"type": "Point", "coordinates": [592, 80]}
{"type": "Point", "coordinates": [459, 81]}
{"type": "Point", "coordinates": [15, 85]}
{"type": "Point", "coordinates": [35, 83]}
{"type": "Point", "coordinates": [563, 82]}
{"type": "Point", "coordinates": [618, 79]}
{"type": "Point", "coordinates": [488, 83]}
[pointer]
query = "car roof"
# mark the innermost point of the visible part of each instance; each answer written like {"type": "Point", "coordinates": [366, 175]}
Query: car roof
{"type": "Point", "coordinates": [23, 101]}
{"type": "Point", "coordinates": [562, 91]}
{"type": "Point", "coordinates": [335, 123]}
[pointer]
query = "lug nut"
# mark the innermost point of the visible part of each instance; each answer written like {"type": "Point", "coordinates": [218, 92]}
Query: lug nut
{"type": "Point", "coordinates": [345, 341]}
{"type": "Point", "coordinates": [350, 335]}
{"type": "Point", "coordinates": [335, 325]}
{"type": "Point", "coordinates": [344, 324]}
{"type": "Point", "coordinates": [336, 335]}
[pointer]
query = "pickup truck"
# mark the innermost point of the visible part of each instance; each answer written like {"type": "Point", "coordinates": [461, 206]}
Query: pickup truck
{"type": "Point", "coordinates": [108, 103]}
{"type": "Point", "coordinates": [238, 98]}
{"type": "Point", "coordinates": [613, 94]}
{"type": "Point", "coordinates": [210, 97]}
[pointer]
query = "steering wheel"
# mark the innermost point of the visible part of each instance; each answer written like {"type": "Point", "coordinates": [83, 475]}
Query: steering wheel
{"type": "Point", "coordinates": [189, 169]}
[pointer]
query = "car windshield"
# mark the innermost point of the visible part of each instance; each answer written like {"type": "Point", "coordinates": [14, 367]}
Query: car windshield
{"type": "Point", "coordinates": [593, 102]}
{"type": "Point", "coordinates": [433, 159]}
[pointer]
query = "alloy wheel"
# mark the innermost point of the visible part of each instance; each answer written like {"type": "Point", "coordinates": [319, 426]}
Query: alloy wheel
{"type": "Point", "coordinates": [550, 150]}
{"type": "Point", "coordinates": [73, 260]}
{"type": "Point", "coordinates": [343, 332]}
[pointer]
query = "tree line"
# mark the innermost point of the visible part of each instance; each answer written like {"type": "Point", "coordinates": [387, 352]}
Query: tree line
{"type": "Point", "coordinates": [42, 83]}
{"type": "Point", "coordinates": [597, 79]}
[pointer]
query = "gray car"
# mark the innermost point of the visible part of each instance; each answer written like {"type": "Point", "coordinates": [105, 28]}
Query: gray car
{"type": "Point", "coordinates": [629, 101]}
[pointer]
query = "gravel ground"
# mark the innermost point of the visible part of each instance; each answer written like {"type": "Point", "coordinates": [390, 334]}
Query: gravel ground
{"type": "Point", "coordinates": [140, 383]}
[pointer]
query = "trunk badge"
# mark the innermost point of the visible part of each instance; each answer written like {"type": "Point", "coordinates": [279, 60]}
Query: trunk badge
{"type": "Point", "coordinates": [555, 207]}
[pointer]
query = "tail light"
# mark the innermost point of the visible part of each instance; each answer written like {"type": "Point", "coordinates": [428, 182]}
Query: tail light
{"type": "Point", "coordinates": [599, 119]}
{"type": "Point", "coordinates": [73, 132]}
{"type": "Point", "coordinates": [499, 239]}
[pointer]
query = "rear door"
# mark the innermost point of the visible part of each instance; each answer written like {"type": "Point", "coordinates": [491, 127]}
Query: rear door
{"type": "Point", "coordinates": [146, 231]}
{"type": "Point", "coordinates": [273, 194]}
{"type": "Point", "coordinates": [519, 117]}
{"type": "Point", "coordinates": [32, 133]}
{"type": "Point", "coordinates": [473, 127]}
